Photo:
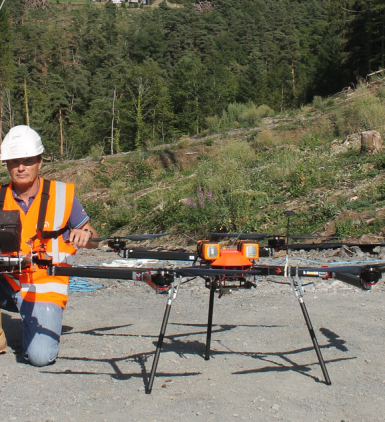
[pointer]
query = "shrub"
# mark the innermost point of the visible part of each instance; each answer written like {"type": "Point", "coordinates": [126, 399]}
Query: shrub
{"type": "Point", "coordinates": [250, 116]}
{"type": "Point", "coordinates": [266, 139]}
{"type": "Point", "coordinates": [366, 111]}
{"type": "Point", "coordinates": [359, 205]}
{"type": "Point", "coordinates": [97, 152]}
{"type": "Point", "coordinates": [140, 171]}
{"type": "Point", "coordinates": [213, 123]}
{"type": "Point", "coordinates": [344, 228]}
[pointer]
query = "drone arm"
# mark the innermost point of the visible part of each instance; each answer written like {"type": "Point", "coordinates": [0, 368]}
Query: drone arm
{"type": "Point", "coordinates": [95, 272]}
{"type": "Point", "coordinates": [365, 280]}
{"type": "Point", "coordinates": [160, 281]}
{"type": "Point", "coordinates": [363, 277]}
{"type": "Point", "coordinates": [165, 256]}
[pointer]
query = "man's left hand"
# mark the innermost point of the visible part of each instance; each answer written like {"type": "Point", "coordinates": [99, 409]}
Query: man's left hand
{"type": "Point", "coordinates": [82, 238]}
{"type": "Point", "coordinates": [79, 238]}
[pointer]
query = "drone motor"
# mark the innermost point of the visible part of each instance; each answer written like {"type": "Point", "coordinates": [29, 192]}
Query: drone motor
{"type": "Point", "coordinates": [162, 280]}
{"type": "Point", "coordinates": [276, 243]}
{"type": "Point", "coordinates": [369, 277]}
{"type": "Point", "coordinates": [117, 243]}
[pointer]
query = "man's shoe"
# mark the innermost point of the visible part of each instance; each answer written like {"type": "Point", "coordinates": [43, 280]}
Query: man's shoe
{"type": "Point", "coordinates": [3, 344]}
{"type": "Point", "coordinates": [3, 340]}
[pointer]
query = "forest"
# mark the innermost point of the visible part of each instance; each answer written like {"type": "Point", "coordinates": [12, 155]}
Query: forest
{"type": "Point", "coordinates": [90, 75]}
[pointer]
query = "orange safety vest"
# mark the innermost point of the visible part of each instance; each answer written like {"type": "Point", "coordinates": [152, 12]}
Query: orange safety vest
{"type": "Point", "coordinates": [33, 283]}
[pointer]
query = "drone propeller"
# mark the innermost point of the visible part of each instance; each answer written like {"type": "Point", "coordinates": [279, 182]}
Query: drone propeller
{"type": "Point", "coordinates": [242, 236]}
{"type": "Point", "coordinates": [133, 237]}
{"type": "Point", "coordinates": [312, 236]}
{"type": "Point", "coordinates": [261, 236]}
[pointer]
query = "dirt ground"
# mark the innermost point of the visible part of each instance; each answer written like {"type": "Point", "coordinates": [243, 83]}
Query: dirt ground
{"type": "Point", "coordinates": [262, 364]}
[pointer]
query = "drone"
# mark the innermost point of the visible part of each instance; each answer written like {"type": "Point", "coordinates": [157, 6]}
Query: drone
{"type": "Point", "coordinates": [223, 270]}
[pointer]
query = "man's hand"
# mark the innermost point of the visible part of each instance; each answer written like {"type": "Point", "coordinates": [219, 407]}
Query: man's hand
{"type": "Point", "coordinates": [82, 238]}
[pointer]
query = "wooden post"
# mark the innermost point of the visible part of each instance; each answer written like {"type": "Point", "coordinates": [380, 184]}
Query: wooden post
{"type": "Point", "coordinates": [371, 142]}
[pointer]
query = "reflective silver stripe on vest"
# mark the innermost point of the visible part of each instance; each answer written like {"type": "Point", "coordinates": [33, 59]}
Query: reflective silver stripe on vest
{"type": "Point", "coordinates": [45, 288]}
{"type": "Point", "coordinates": [62, 257]}
{"type": "Point", "coordinates": [60, 204]}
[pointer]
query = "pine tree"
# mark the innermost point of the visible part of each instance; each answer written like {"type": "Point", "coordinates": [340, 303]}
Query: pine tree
{"type": "Point", "coordinates": [6, 68]}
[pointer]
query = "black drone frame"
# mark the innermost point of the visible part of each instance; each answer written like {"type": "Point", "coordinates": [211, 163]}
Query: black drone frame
{"type": "Point", "coordinates": [218, 280]}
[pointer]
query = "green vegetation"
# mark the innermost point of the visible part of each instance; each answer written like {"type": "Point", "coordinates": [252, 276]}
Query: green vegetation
{"type": "Point", "coordinates": [243, 182]}
{"type": "Point", "coordinates": [122, 78]}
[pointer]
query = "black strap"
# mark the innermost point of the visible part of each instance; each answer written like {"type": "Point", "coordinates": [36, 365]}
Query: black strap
{"type": "Point", "coordinates": [53, 234]}
{"type": "Point", "coordinates": [43, 205]}
{"type": "Point", "coordinates": [42, 213]}
{"type": "Point", "coordinates": [3, 191]}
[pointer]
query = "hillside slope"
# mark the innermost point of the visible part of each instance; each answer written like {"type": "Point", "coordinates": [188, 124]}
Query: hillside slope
{"type": "Point", "coordinates": [242, 179]}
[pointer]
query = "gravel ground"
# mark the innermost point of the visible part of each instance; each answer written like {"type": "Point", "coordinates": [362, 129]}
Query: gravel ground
{"type": "Point", "coordinates": [262, 365]}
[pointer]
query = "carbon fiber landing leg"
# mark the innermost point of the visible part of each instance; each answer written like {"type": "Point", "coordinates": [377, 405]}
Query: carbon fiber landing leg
{"type": "Point", "coordinates": [172, 295]}
{"type": "Point", "coordinates": [298, 291]}
{"type": "Point", "coordinates": [210, 323]}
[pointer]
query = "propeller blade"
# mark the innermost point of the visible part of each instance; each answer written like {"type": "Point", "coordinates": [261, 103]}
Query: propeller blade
{"type": "Point", "coordinates": [136, 237]}
{"type": "Point", "coordinates": [251, 236]}
{"type": "Point", "coordinates": [99, 239]}
{"type": "Point", "coordinates": [312, 236]}
{"type": "Point", "coordinates": [261, 236]}
{"type": "Point", "coordinates": [133, 237]}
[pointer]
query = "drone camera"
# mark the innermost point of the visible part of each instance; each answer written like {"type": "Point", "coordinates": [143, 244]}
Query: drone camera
{"type": "Point", "coordinates": [208, 251]}
{"type": "Point", "coordinates": [249, 250]}
{"type": "Point", "coordinates": [10, 231]}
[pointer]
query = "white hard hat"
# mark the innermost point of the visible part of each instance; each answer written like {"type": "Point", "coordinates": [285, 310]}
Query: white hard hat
{"type": "Point", "coordinates": [21, 142]}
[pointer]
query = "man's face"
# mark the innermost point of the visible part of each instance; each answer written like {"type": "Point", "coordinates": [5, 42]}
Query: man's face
{"type": "Point", "coordinates": [24, 171]}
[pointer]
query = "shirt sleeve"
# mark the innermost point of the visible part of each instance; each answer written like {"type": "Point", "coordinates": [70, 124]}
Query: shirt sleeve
{"type": "Point", "coordinates": [78, 217]}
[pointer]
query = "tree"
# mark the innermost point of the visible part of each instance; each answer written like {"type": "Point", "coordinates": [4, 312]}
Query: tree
{"type": "Point", "coordinates": [253, 81]}
{"type": "Point", "coordinates": [55, 111]}
{"type": "Point", "coordinates": [6, 68]}
{"type": "Point", "coordinates": [146, 107]}
{"type": "Point", "coordinates": [187, 93]}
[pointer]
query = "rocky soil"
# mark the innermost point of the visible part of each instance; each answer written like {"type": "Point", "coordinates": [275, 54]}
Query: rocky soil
{"type": "Point", "coordinates": [262, 365]}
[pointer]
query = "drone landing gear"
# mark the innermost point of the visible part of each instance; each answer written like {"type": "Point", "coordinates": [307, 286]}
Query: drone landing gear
{"type": "Point", "coordinates": [217, 286]}
{"type": "Point", "coordinates": [297, 288]}
{"type": "Point", "coordinates": [171, 296]}
{"type": "Point", "coordinates": [209, 323]}
{"type": "Point", "coordinates": [298, 291]}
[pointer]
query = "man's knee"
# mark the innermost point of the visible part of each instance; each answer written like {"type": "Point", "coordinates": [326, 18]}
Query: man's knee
{"type": "Point", "coordinates": [39, 359]}
{"type": "Point", "coordinates": [42, 324]}
{"type": "Point", "coordinates": [37, 355]}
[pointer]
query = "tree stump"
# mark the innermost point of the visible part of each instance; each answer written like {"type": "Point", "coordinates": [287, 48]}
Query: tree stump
{"type": "Point", "coordinates": [371, 142]}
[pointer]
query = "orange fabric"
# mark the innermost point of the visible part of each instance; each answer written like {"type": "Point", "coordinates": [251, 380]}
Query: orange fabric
{"type": "Point", "coordinates": [34, 283]}
{"type": "Point", "coordinates": [231, 258]}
